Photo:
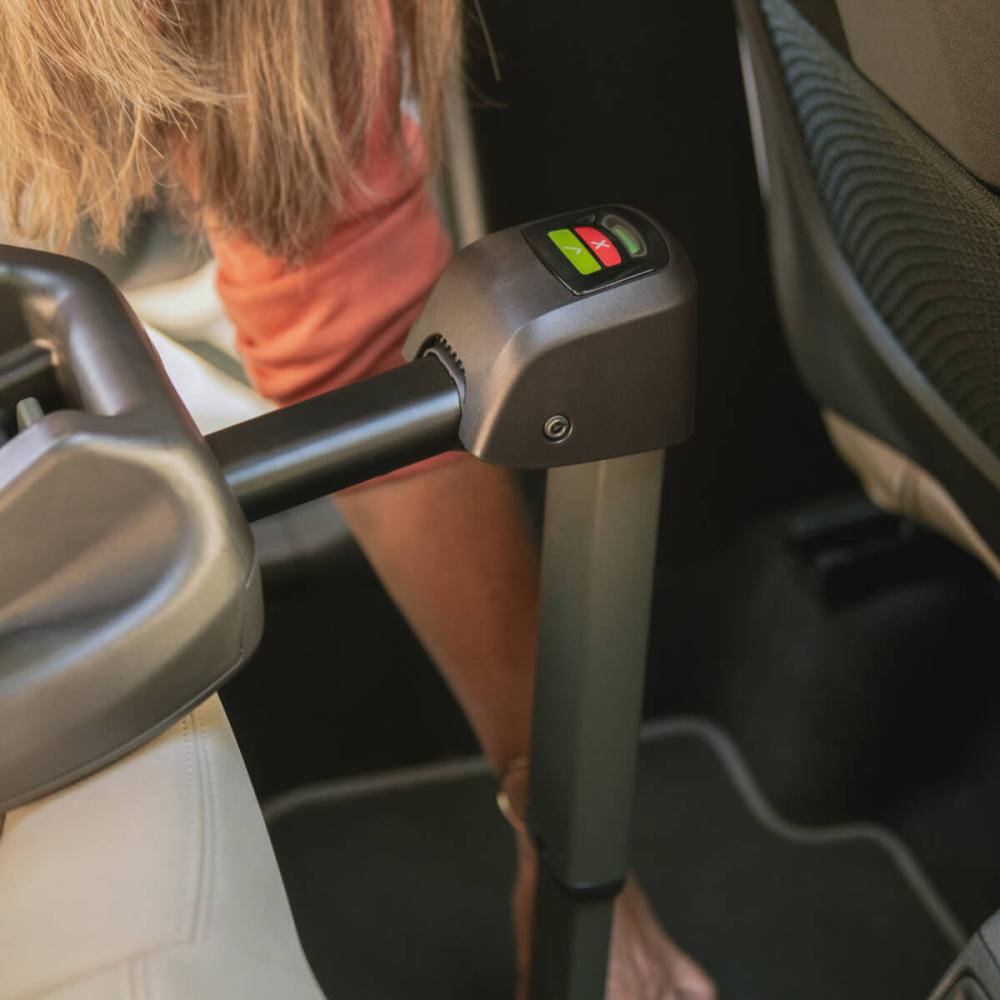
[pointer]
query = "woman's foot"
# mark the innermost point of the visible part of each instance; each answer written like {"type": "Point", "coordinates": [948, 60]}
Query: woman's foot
{"type": "Point", "coordinates": [644, 963]}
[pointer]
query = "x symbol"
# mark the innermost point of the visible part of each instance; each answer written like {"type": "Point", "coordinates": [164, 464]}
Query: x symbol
{"type": "Point", "coordinates": [600, 244]}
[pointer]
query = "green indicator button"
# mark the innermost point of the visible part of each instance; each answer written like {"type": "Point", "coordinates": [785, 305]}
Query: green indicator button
{"type": "Point", "coordinates": [574, 251]}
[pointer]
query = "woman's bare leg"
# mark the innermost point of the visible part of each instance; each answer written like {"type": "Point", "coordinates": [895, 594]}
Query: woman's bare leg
{"type": "Point", "coordinates": [452, 548]}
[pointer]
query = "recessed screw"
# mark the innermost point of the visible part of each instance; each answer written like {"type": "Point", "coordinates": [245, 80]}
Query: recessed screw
{"type": "Point", "coordinates": [558, 427]}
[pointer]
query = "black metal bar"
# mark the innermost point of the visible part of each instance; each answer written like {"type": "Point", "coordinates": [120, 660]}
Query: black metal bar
{"type": "Point", "coordinates": [598, 554]}
{"type": "Point", "coordinates": [340, 438]}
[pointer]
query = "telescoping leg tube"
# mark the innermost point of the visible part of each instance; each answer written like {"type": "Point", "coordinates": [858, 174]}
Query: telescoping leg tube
{"type": "Point", "coordinates": [597, 575]}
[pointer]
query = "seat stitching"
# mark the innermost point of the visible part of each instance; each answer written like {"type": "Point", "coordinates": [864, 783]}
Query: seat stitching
{"type": "Point", "coordinates": [101, 970]}
{"type": "Point", "coordinates": [186, 926]}
{"type": "Point", "coordinates": [208, 832]}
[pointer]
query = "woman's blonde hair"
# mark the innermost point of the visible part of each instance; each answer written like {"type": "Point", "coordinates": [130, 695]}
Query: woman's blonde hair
{"type": "Point", "coordinates": [264, 106]}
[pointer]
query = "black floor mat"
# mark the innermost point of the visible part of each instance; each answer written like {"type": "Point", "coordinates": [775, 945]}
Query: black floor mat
{"type": "Point", "coordinates": [886, 707]}
{"type": "Point", "coordinates": [400, 888]}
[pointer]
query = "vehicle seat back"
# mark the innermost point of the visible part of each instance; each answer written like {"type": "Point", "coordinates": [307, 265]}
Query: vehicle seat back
{"type": "Point", "coordinates": [885, 248]}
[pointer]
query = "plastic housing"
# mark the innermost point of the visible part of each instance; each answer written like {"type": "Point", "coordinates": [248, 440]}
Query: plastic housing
{"type": "Point", "coordinates": [129, 588]}
{"type": "Point", "coordinates": [531, 349]}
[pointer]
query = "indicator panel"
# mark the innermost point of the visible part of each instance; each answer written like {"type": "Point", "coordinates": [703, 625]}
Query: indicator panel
{"type": "Point", "coordinates": [597, 247]}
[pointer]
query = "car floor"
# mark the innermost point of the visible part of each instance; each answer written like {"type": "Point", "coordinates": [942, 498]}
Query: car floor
{"type": "Point", "coordinates": [413, 869]}
{"type": "Point", "coordinates": [875, 706]}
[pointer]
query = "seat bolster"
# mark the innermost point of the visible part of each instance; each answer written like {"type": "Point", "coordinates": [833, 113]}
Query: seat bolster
{"type": "Point", "coordinates": [897, 484]}
{"type": "Point", "coordinates": [153, 878]}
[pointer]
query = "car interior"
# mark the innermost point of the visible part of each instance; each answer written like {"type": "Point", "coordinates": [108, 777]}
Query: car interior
{"type": "Point", "coordinates": [769, 524]}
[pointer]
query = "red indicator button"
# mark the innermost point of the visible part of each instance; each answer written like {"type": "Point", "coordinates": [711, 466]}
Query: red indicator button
{"type": "Point", "coordinates": [603, 249]}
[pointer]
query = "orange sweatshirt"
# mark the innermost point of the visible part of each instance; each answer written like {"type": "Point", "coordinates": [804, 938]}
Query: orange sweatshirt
{"type": "Point", "coordinates": [343, 315]}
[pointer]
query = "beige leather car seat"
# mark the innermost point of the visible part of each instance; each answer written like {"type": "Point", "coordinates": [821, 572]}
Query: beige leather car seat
{"type": "Point", "coordinates": [154, 878]}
